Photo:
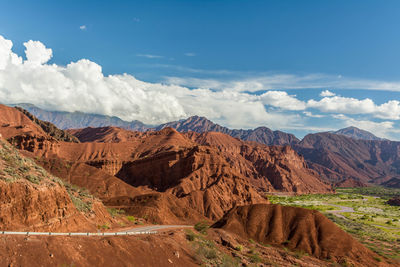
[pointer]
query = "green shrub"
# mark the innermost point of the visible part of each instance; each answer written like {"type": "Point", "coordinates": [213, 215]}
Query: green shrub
{"type": "Point", "coordinates": [104, 226]}
{"type": "Point", "coordinates": [131, 218]}
{"type": "Point", "coordinates": [202, 227]}
{"type": "Point", "coordinates": [255, 258]}
{"type": "Point", "coordinates": [299, 254]}
{"type": "Point", "coordinates": [80, 204]}
{"type": "Point", "coordinates": [228, 261]}
{"type": "Point", "coordinates": [33, 178]}
{"type": "Point", "coordinates": [205, 252]}
{"type": "Point", "coordinates": [190, 235]}
{"type": "Point", "coordinates": [239, 248]}
{"type": "Point", "coordinates": [24, 169]}
{"type": "Point", "coordinates": [115, 212]}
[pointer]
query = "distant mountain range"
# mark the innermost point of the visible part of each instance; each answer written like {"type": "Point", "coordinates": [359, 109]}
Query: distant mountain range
{"type": "Point", "coordinates": [261, 135]}
{"type": "Point", "coordinates": [339, 156]}
{"type": "Point", "coordinates": [75, 120]}
{"type": "Point", "coordinates": [264, 135]}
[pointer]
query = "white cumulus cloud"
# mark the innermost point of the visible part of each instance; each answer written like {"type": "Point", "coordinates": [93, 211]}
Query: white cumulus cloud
{"type": "Point", "coordinates": [82, 86]}
{"type": "Point", "coordinates": [348, 105]}
{"type": "Point", "coordinates": [282, 100]}
{"type": "Point", "coordinates": [37, 53]}
{"type": "Point", "coordinates": [327, 93]}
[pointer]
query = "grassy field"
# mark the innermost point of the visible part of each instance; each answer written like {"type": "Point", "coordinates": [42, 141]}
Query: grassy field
{"type": "Point", "coordinates": [362, 212]}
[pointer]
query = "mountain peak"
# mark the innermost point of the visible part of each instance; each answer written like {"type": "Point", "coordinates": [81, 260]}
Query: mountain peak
{"type": "Point", "coordinates": [356, 133]}
{"type": "Point", "coordinates": [262, 134]}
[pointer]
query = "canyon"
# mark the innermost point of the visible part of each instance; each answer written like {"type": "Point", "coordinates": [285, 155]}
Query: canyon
{"type": "Point", "coordinates": [163, 176]}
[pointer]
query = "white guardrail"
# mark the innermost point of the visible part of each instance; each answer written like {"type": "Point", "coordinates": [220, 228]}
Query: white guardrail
{"type": "Point", "coordinates": [145, 230]}
{"type": "Point", "coordinates": [78, 234]}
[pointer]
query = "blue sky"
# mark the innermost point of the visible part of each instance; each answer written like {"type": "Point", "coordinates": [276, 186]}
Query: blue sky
{"type": "Point", "coordinates": [235, 51]}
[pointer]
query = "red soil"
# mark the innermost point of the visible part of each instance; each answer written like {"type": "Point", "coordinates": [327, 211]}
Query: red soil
{"type": "Point", "coordinates": [154, 250]}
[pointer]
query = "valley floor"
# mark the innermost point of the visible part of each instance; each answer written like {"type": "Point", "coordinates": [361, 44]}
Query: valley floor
{"type": "Point", "coordinates": [362, 212]}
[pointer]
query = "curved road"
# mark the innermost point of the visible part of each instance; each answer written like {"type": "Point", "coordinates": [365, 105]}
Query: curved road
{"type": "Point", "coordinates": [150, 229]}
{"type": "Point", "coordinates": [342, 209]}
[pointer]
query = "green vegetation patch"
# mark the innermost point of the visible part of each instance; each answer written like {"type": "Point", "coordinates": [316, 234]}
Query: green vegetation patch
{"type": "Point", "coordinates": [14, 167]}
{"type": "Point", "coordinates": [362, 212]}
{"type": "Point", "coordinates": [80, 197]}
{"type": "Point", "coordinates": [131, 218]}
{"type": "Point", "coordinates": [115, 212]}
{"type": "Point", "coordinates": [202, 227]}
{"type": "Point", "coordinates": [377, 191]}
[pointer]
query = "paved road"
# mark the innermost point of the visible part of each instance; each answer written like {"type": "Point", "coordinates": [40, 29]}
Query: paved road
{"type": "Point", "coordinates": [149, 229]}
{"type": "Point", "coordinates": [154, 228]}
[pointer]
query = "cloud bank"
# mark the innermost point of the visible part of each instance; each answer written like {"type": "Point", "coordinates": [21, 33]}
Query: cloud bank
{"type": "Point", "coordinates": [82, 86]}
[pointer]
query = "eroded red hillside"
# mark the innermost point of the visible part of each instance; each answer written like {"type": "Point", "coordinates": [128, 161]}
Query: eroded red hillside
{"type": "Point", "coordinates": [297, 229]}
{"type": "Point", "coordinates": [210, 173]}
{"type": "Point", "coordinates": [32, 199]}
{"type": "Point", "coordinates": [270, 168]}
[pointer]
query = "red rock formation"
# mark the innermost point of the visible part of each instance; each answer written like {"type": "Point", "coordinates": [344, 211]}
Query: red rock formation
{"type": "Point", "coordinates": [160, 208]}
{"type": "Point", "coordinates": [270, 168]}
{"type": "Point", "coordinates": [393, 183]}
{"type": "Point", "coordinates": [104, 134]}
{"type": "Point", "coordinates": [351, 183]}
{"type": "Point", "coordinates": [200, 175]}
{"type": "Point", "coordinates": [337, 157]}
{"type": "Point", "coordinates": [210, 172]}
{"type": "Point", "coordinates": [31, 199]}
{"type": "Point", "coordinates": [14, 123]}
{"type": "Point", "coordinates": [297, 229]}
